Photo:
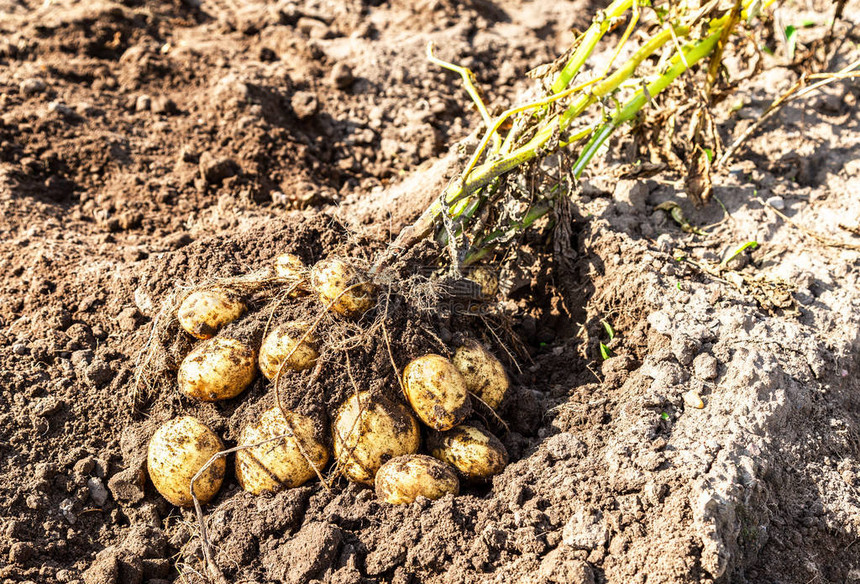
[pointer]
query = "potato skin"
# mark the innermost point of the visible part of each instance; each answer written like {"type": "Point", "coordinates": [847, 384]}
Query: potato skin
{"type": "Point", "coordinates": [487, 279]}
{"type": "Point", "coordinates": [279, 464]}
{"type": "Point", "coordinates": [177, 450]}
{"type": "Point", "coordinates": [280, 342]}
{"type": "Point", "coordinates": [485, 375]}
{"type": "Point", "coordinates": [475, 453]}
{"type": "Point", "coordinates": [331, 277]}
{"type": "Point", "coordinates": [368, 431]}
{"type": "Point", "coordinates": [220, 368]}
{"type": "Point", "coordinates": [436, 391]}
{"type": "Point", "coordinates": [203, 312]}
{"type": "Point", "coordinates": [403, 479]}
{"type": "Point", "coordinates": [290, 267]}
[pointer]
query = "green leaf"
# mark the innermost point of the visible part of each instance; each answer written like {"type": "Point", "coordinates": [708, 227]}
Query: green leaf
{"type": "Point", "coordinates": [739, 251]}
{"type": "Point", "coordinates": [664, 416]}
{"type": "Point", "coordinates": [710, 154]}
{"type": "Point", "coordinates": [609, 330]}
{"type": "Point", "coordinates": [605, 352]}
{"type": "Point", "coordinates": [790, 33]}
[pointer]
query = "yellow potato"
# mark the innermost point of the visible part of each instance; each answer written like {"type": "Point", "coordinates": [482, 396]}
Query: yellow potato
{"type": "Point", "coordinates": [486, 279]}
{"type": "Point", "coordinates": [203, 312]}
{"type": "Point", "coordinates": [436, 391]}
{"type": "Point", "coordinates": [484, 374]}
{"type": "Point", "coordinates": [177, 450]}
{"type": "Point", "coordinates": [333, 279]}
{"type": "Point", "coordinates": [290, 267]}
{"type": "Point", "coordinates": [475, 453]}
{"type": "Point", "coordinates": [368, 431]}
{"type": "Point", "coordinates": [405, 478]}
{"type": "Point", "coordinates": [283, 341]}
{"type": "Point", "coordinates": [220, 368]}
{"type": "Point", "coordinates": [282, 463]}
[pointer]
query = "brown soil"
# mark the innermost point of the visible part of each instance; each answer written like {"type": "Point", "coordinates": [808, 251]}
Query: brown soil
{"type": "Point", "coordinates": [147, 147]}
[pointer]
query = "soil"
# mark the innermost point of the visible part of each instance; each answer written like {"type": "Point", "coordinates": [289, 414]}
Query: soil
{"type": "Point", "coordinates": [147, 147]}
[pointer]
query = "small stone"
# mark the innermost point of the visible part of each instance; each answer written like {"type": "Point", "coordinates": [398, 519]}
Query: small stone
{"type": "Point", "coordinates": [127, 485]}
{"type": "Point", "coordinates": [304, 104]}
{"type": "Point", "coordinates": [163, 105]}
{"type": "Point", "coordinates": [32, 86]}
{"type": "Point", "coordinates": [20, 552]}
{"type": "Point", "coordinates": [98, 492]}
{"type": "Point", "coordinates": [215, 170]}
{"type": "Point", "coordinates": [776, 202]}
{"type": "Point", "coordinates": [341, 76]}
{"type": "Point", "coordinates": [60, 108]}
{"type": "Point", "coordinates": [143, 103]}
{"type": "Point", "coordinates": [585, 531]}
{"type": "Point", "coordinates": [705, 366]}
{"type": "Point", "coordinates": [66, 508]}
{"type": "Point", "coordinates": [692, 399]}
{"type": "Point", "coordinates": [20, 349]}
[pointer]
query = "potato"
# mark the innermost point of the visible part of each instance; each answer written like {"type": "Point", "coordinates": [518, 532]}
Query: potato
{"type": "Point", "coordinates": [220, 368]}
{"type": "Point", "coordinates": [203, 312]}
{"type": "Point", "coordinates": [486, 279]}
{"type": "Point", "coordinates": [368, 431]}
{"type": "Point", "coordinates": [281, 342]}
{"type": "Point", "coordinates": [436, 391]}
{"type": "Point", "coordinates": [475, 453]}
{"type": "Point", "coordinates": [177, 450]}
{"type": "Point", "coordinates": [279, 464]}
{"type": "Point", "coordinates": [290, 266]}
{"type": "Point", "coordinates": [405, 478]}
{"type": "Point", "coordinates": [484, 374]}
{"type": "Point", "coordinates": [333, 278]}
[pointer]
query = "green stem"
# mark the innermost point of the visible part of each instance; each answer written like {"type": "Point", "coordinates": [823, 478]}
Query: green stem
{"type": "Point", "coordinates": [692, 55]}
{"type": "Point", "coordinates": [589, 41]}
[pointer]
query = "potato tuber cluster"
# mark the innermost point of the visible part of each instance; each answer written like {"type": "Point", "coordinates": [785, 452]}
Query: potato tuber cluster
{"type": "Point", "coordinates": [372, 440]}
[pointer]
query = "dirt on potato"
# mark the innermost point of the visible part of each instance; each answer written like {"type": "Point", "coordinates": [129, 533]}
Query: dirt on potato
{"type": "Point", "coordinates": [148, 147]}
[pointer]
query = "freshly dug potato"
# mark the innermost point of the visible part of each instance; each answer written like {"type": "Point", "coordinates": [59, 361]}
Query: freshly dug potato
{"type": "Point", "coordinates": [436, 391]}
{"type": "Point", "coordinates": [368, 431]}
{"type": "Point", "coordinates": [291, 266]}
{"type": "Point", "coordinates": [220, 368]}
{"type": "Point", "coordinates": [475, 453]}
{"type": "Point", "coordinates": [484, 374]}
{"type": "Point", "coordinates": [284, 340]}
{"type": "Point", "coordinates": [177, 450]}
{"type": "Point", "coordinates": [333, 278]}
{"type": "Point", "coordinates": [486, 279]}
{"type": "Point", "coordinates": [279, 464]}
{"type": "Point", "coordinates": [405, 478]}
{"type": "Point", "coordinates": [205, 311]}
